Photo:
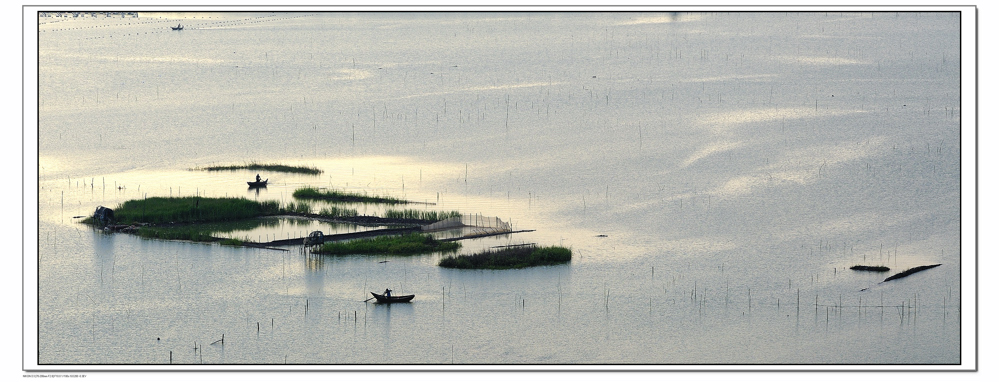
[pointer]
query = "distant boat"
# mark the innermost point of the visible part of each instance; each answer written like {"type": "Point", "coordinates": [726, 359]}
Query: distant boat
{"type": "Point", "coordinates": [388, 300]}
{"type": "Point", "coordinates": [178, 27]}
{"type": "Point", "coordinates": [258, 184]}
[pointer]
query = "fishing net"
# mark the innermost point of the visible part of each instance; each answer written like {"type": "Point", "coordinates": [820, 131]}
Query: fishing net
{"type": "Point", "coordinates": [470, 225]}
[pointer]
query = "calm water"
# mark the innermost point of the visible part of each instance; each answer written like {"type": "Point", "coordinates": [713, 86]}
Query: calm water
{"type": "Point", "coordinates": [714, 174]}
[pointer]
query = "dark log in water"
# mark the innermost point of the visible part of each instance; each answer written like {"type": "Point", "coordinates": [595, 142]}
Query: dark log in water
{"type": "Point", "coordinates": [870, 268]}
{"type": "Point", "coordinates": [911, 271]}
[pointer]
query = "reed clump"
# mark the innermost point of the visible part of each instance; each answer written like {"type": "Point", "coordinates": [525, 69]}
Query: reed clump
{"type": "Point", "coordinates": [313, 193]}
{"type": "Point", "coordinates": [300, 208]}
{"type": "Point", "coordinates": [510, 258]}
{"type": "Point", "coordinates": [232, 241]}
{"type": "Point", "coordinates": [337, 212]}
{"type": "Point", "coordinates": [421, 214]}
{"type": "Point", "coordinates": [191, 209]}
{"type": "Point", "coordinates": [273, 167]}
{"type": "Point", "coordinates": [392, 245]}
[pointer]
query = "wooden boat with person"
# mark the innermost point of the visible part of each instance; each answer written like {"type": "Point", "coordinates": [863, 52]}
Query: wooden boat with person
{"type": "Point", "coordinates": [178, 27]}
{"type": "Point", "coordinates": [258, 184]}
{"type": "Point", "coordinates": [388, 298]}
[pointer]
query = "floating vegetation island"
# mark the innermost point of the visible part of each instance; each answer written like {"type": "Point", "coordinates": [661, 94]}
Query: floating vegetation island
{"type": "Point", "coordinates": [510, 258]}
{"type": "Point", "coordinates": [273, 167]}
{"type": "Point", "coordinates": [312, 193]}
{"type": "Point", "coordinates": [190, 209]}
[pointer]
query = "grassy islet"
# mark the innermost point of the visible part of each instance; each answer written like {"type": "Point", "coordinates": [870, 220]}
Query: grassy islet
{"type": "Point", "coordinates": [191, 209]}
{"type": "Point", "coordinates": [273, 167]}
{"type": "Point", "coordinates": [312, 193]}
{"type": "Point", "coordinates": [510, 258]}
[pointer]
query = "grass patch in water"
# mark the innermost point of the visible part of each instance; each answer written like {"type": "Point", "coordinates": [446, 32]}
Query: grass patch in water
{"type": "Point", "coordinates": [510, 258]}
{"type": "Point", "coordinates": [191, 209]}
{"type": "Point", "coordinates": [327, 211]}
{"type": "Point", "coordinates": [393, 245]}
{"type": "Point", "coordinates": [273, 167]}
{"type": "Point", "coordinates": [300, 208]}
{"type": "Point", "coordinates": [336, 212]}
{"type": "Point", "coordinates": [342, 196]}
{"type": "Point", "coordinates": [421, 215]}
{"type": "Point", "coordinates": [232, 242]}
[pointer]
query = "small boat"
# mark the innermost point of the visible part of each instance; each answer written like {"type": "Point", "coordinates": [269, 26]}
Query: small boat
{"type": "Point", "coordinates": [178, 27]}
{"type": "Point", "coordinates": [258, 184]}
{"type": "Point", "coordinates": [388, 300]}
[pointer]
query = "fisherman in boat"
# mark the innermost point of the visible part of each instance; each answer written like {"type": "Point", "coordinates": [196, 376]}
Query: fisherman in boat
{"type": "Point", "coordinates": [388, 294]}
{"type": "Point", "coordinates": [258, 178]}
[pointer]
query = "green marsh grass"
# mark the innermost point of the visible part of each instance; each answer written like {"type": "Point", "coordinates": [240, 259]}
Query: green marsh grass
{"type": "Point", "coordinates": [392, 245]}
{"type": "Point", "coordinates": [300, 208]}
{"type": "Point", "coordinates": [337, 212]}
{"type": "Point", "coordinates": [273, 167]}
{"type": "Point", "coordinates": [232, 242]}
{"type": "Point", "coordinates": [510, 258]}
{"type": "Point", "coordinates": [421, 215]}
{"type": "Point", "coordinates": [191, 209]}
{"type": "Point", "coordinates": [312, 193]}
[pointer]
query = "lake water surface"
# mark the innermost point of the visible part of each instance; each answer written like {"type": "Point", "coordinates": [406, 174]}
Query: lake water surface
{"type": "Point", "coordinates": [715, 174]}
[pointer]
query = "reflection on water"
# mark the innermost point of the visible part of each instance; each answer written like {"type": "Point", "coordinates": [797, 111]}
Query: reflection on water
{"type": "Point", "coordinates": [277, 228]}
